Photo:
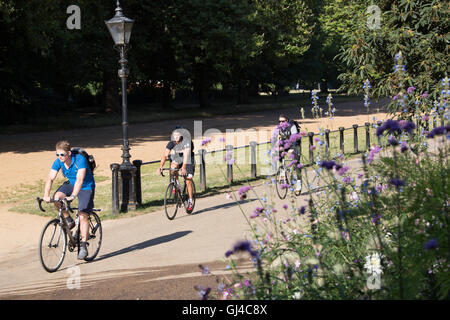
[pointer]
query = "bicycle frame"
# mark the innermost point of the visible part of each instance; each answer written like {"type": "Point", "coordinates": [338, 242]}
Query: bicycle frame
{"type": "Point", "coordinates": [174, 178]}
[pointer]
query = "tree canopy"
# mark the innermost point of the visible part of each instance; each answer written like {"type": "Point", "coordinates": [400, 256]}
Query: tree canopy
{"type": "Point", "coordinates": [189, 48]}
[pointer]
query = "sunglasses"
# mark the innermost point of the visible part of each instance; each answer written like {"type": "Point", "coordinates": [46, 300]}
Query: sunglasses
{"type": "Point", "coordinates": [61, 154]}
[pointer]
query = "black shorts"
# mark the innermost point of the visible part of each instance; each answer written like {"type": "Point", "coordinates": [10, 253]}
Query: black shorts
{"type": "Point", "coordinates": [85, 197]}
{"type": "Point", "coordinates": [190, 170]}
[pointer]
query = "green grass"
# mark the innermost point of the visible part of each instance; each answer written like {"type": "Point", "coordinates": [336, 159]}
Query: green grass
{"type": "Point", "coordinates": [153, 186]}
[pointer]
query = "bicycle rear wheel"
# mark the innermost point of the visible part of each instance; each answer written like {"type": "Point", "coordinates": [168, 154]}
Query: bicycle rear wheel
{"type": "Point", "coordinates": [282, 183]}
{"type": "Point", "coordinates": [186, 197]}
{"type": "Point", "coordinates": [52, 246]}
{"type": "Point", "coordinates": [95, 236]}
{"type": "Point", "coordinates": [171, 202]}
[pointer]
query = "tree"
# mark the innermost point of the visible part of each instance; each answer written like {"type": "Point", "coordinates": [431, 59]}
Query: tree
{"type": "Point", "coordinates": [417, 29]}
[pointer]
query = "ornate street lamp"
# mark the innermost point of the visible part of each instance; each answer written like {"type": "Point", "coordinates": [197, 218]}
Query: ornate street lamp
{"type": "Point", "coordinates": [120, 28]}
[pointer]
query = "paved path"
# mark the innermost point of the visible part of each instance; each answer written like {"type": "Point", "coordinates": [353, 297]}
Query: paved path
{"type": "Point", "coordinates": [146, 257]}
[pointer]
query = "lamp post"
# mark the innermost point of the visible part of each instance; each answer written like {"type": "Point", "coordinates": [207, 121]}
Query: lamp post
{"type": "Point", "coordinates": [120, 28]}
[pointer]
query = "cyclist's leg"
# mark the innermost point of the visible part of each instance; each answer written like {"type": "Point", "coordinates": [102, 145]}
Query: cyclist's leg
{"type": "Point", "coordinates": [85, 206]}
{"type": "Point", "coordinates": [175, 165]}
{"type": "Point", "coordinates": [297, 154]}
{"type": "Point", "coordinates": [190, 168]}
{"type": "Point", "coordinates": [65, 190]}
{"type": "Point", "coordinates": [297, 170]}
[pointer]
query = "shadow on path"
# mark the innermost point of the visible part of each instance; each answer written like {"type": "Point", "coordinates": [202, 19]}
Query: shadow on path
{"type": "Point", "coordinates": [146, 244]}
{"type": "Point", "coordinates": [221, 206]}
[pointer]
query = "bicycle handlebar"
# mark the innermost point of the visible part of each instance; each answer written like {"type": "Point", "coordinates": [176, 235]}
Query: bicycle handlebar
{"type": "Point", "coordinates": [64, 202]}
{"type": "Point", "coordinates": [166, 169]}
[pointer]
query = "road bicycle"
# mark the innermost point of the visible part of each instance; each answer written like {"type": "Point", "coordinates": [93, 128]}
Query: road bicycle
{"type": "Point", "coordinates": [176, 196]}
{"type": "Point", "coordinates": [53, 242]}
{"type": "Point", "coordinates": [286, 179]}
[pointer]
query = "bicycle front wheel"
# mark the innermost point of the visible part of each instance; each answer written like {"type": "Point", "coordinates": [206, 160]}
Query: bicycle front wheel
{"type": "Point", "coordinates": [52, 246]}
{"type": "Point", "coordinates": [171, 202]}
{"type": "Point", "coordinates": [95, 236]}
{"type": "Point", "coordinates": [282, 183]}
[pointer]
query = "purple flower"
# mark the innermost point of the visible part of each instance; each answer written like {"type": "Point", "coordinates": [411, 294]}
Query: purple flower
{"type": "Point", "coordinates": [347, 179]}
{"type": "Point", "coordinates": [431, 244]}
{"type": "Point", "coordinates": [407, 126]}
{"type": "Point", "coordinates": [257, 212]}
{"type": "Point", "coordinates": [404, 146]}
{"type": "Point", "coordinates": [372, 153]}
{"type": "Point", "coordinates": [285, 206]}
{"type": "Point", "coordinates": [299, 166]}
{"type": "Point", "coordinates": [376, 218]}
{"type": "Point", "coordinates": [392, 141]}
{"type": "Point", "coordinates": [205, 270]}
{"type": "Point", "coordinates": [397, 182]}
{"type": "Point", "coordinates": [243, 192]}
{"type": "Point", "coordinates": [302, 210]}
{"type": "Point", "coordinates": [203, 293]}
{"type": "Point", "coordinates": [410, 89]}
{"type": "Point", "coordinates": [328, 164]}
{"type": "Point", "coordinates": [284, 186]}
{"type": "Point", "coordinates": [283, 126]}
{"type": "Point", "coordinates": [291, 163]}
{"type": "Point", "coordinates": [295, 137]}
{"type": "Point", "coordinates": [343, 170]}
{"type": "Point", "coordinates": [391, 126]}
{"type": "Point", "coordinates": [312, 148]}
{"type": "Point", "coordinates": [206, 141]}
{"type": "Point", "coordinates": [244, 246]}
{"type": "Point", "coordinates": [425, 94]}
{"type": "Point", "coordinates": [438, 131]}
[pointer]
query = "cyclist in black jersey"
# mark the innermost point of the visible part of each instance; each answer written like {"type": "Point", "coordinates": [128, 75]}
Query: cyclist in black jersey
{"type": "Point", "coordinates": [180, 150]}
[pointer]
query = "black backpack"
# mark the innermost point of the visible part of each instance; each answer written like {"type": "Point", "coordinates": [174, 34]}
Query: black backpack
{"type": "Point", "coordinates": [295, 123]}
{"type": "Point", "coordinates": [89, 158]}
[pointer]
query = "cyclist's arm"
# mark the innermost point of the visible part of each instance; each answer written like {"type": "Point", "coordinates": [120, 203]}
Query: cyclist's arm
{"type": "Point", "coordinates": [164, 157]}
{"type": "Point", "coordinates": [48, 184]}
{"type": "Point", "coordinates": [186, 154]}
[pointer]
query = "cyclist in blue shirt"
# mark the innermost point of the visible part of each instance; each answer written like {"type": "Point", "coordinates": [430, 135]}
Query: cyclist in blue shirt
{"type": "Point", "coordinates": [80, 184]}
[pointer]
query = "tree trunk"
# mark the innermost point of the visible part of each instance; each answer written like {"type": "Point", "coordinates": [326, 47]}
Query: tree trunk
{"type": "Point", "coordinates": [201, 87]}
{"type": "Point", "coordinates": [167, 95]}
{"type": "Point", "coordinates": [111, 99]}
{"type": "Point", "coordinates": [323, 86]}
{"type": "Point", "coordinates": [242, 94]}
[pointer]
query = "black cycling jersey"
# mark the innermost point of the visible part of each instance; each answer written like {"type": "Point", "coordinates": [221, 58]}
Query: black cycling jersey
{"type": "Point", "coordinates": [178, 151]}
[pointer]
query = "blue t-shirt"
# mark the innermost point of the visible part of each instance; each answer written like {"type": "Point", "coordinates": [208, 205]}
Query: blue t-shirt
{"type": "Point", "coordinates": [77, 162]}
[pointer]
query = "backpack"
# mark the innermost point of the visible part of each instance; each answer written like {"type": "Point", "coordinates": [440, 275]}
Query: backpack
{"type": "Point", "coordinates": [89, 158]}
{"type": "Point", "coordinates": [295, 123]}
